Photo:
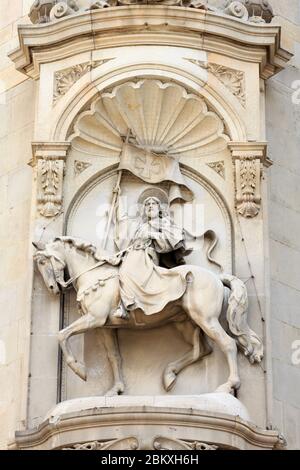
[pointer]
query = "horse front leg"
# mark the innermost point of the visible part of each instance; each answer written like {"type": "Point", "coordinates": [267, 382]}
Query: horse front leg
{"type": "Point", "coordinates": [79, 326]}
{"type": "Point", "coordinates": [113, 353]}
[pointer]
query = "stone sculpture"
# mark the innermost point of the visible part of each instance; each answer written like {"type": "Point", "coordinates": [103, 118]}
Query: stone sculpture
{"type": "Point", "coordinates": [43, 11]}
{"type": "Point", "coordinates": [148, 284]}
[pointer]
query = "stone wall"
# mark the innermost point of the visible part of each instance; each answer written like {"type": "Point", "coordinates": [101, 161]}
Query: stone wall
{"type": "Point", "coordinates": [283, 133]}
{"type": "Point", "coordinates": [17, 96]}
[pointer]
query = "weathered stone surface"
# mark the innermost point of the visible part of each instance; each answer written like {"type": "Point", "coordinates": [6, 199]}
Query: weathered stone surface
{"type": "Point", "coordinates": [22, 104]}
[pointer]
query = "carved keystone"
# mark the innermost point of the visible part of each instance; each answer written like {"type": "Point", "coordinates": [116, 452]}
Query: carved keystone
{"type": "Point", "coordinates": [248, 159]}
{"type": "Point", "coordinates": [50, 161]}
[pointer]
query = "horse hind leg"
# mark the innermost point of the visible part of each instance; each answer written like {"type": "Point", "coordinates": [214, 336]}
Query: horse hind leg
{"type": "Point", "coordinates": [200, 348]}
{"type": "Point", "coordinates": [214, 330]}
{"type": "Point", "coordinates": [79, 326]}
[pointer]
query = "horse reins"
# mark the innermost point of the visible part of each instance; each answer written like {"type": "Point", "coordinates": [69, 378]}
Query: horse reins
{"type": "Point", "coordinates": [67, 284]}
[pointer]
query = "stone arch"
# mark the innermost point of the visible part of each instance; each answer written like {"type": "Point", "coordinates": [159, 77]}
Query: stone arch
{"type": "Point", "coordinates": [87, 90]}
{"type": "Point", "coordinates": [111, 171]}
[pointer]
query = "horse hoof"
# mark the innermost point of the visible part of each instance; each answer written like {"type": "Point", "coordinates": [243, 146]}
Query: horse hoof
{"type": "Point", "coordinates": [116, 390]}
{"type": "Point", "coordinates": [229, 387]}
{"type": "Point", "coordinates": [169, 380]}
{"type": "Point", "coordinates": [225, 388]}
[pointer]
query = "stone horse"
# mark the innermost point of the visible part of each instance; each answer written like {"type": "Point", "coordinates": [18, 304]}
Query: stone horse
{"type": "Point", "coordinates": [195, 314]}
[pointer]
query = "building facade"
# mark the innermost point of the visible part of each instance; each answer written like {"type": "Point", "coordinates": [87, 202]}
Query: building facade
{"type": "Point", "coordinates": [197, 105]}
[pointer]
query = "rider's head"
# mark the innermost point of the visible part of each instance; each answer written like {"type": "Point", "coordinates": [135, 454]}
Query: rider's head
{"type": "Point", "coordinates": [152, 208]}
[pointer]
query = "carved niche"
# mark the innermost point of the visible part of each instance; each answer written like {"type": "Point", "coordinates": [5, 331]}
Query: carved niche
{"type": "Point", "coordinates": [167, 118]}
{"type": "Point", "coordinates": [163, 116]}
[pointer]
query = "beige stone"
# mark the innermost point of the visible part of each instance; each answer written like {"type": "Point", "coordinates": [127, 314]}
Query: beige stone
{"type": "Point", "coordinates": [260, 245]}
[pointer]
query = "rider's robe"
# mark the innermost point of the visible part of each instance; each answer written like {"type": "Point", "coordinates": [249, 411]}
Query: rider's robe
{"type": "Point", "coordinates": [144, 283]}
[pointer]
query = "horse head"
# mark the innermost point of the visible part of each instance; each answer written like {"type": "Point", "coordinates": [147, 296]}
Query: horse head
{"type": "Point", "coordinates": [50, 265]}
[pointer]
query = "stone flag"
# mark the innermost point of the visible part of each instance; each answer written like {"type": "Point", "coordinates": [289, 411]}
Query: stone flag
{"type": "Point", "coordinates": [153, 168]}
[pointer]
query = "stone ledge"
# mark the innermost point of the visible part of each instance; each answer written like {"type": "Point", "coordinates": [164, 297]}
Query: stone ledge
{"type": "Point", "coordinates": [149, 24]}
{"type": "Point", "coordinates": [145, 421]}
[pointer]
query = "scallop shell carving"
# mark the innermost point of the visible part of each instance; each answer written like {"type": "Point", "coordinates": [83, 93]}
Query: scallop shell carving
{"type": "Point", "coordinates": [162, 117]}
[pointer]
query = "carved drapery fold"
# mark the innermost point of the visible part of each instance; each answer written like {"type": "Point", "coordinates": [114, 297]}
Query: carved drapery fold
{"type": "Point", "coordinates": [50, 161]}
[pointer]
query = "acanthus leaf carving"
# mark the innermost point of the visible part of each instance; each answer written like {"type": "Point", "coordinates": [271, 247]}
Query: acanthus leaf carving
{"type": "Point", "coordinates": [257, 11]}
{"type": "Point", "coordinates": [49, 159]}
{"type": "Point", "coordinates": [232, 79]}
{"type": "Point", "coordinates": [129, 443]}
{"type": "Point", "coordinates": [80, 167]}
{"type": "Point", "coordinates": [64, 79]}
{"type": "Point", "coordinates": [218, 167]}
{"type": "Point", "coordinates": [248, 195]}
{"type": "Point", "coordinates": [50, 177]}
{"type": "Point", "coordinates": [165, 443]}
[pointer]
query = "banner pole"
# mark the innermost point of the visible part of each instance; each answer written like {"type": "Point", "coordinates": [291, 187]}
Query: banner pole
{"type": "Point", "coordinates": [116, 195]}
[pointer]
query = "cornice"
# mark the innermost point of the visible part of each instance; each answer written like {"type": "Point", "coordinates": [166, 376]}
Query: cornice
{"type": "Point", "coordinates": [148, 25]}
{"type": "Point", "coordinates": [93, 423]}
{"type": "Point", "coordinates": [48, 150]}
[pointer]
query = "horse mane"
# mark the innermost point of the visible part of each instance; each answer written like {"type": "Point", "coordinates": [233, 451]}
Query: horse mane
{"type": "Point", "coordinates": [78, 243]}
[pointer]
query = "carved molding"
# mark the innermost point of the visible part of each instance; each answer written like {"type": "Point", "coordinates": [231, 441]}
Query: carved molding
{"type": "Point", "coordinates": [95, 429]}
{"type": "Point", "coordinates": [129, 443]}
{"type": "Point", "coordinates": [49, 158]}
{"type": "Point", "coordinates": [50, 177]}
{"type": "Point", "coordinates": [218, 167]}
{"type": "Point", "coordinates": [80, 167]}
{"type": "Point", "coordinates": [165, 443]}
{"type": "Point", "coordinates": [260, 11]}
{"type": "Point", "coordinates": [189, 128]}
{"type": "Point", "coordinates": [248, 195]}
{"type": "Point", "coordinates": [43, 11]}
{"type": "Point", "coordinates": [236, 9]}
{"type": "Point", "coordinates": [232, 79]}
{"type": "Point", "coordinates": [248, 159]}
{"type": "Point", "coordinates": [113, 27]}
{"type": "Point", "coordinates": [132, 443]}
{"type": "Point", "coordinates": [64, 79]}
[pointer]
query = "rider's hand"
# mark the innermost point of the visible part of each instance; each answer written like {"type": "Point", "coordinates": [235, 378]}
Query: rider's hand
{"type": "Point", "coordinates": [115, 260]}
{"type": "Point", "coordinates": [154, 235]}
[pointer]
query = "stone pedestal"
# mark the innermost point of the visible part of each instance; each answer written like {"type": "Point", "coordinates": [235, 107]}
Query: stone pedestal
{"type": "Point", "coordinates": [203, 422]}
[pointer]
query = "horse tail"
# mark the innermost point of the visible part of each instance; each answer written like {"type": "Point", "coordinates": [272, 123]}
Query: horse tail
{"type": "Point", "coordinates": [236, 315]}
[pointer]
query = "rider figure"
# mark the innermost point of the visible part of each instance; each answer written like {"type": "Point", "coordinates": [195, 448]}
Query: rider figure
{"type": "Point", "coordinates": [146, 281]}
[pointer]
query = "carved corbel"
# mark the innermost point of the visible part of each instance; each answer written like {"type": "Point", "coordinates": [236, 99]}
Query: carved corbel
{"type": "Point", "coordinates": [49, 159]}
{"type": "Point", "coordinates": [248, 162]}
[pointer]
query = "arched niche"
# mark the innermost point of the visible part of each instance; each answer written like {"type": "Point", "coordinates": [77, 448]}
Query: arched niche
{"type": "Point", "coordinates": [185, 74]}
{"type": "Point", "coordinates": [86, 219]}
{"type": "Point", "coordinates": [97, 137]}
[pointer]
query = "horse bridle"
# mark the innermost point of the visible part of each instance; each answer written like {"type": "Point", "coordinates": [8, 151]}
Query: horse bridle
{"type": "Point", "coordinates": [58, 273]}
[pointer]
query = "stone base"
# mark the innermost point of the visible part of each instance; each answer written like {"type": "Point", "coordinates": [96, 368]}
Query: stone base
{"type": "Point", "coordinates": [213, 402]}
{"type": "Point", "coordinates": [204, 422]}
